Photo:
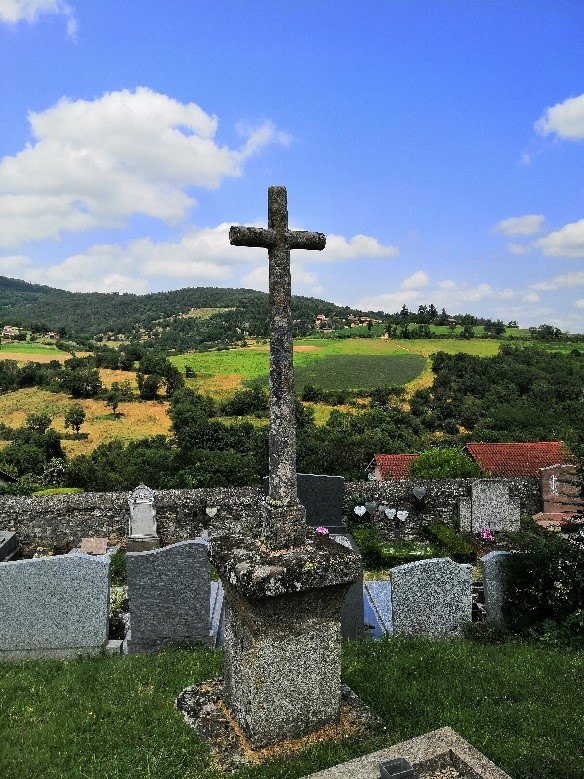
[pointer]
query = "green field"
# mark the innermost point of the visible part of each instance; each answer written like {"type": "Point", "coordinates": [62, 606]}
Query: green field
{"type": "Point", "coordinates": [359, 371]}
{"type": "Point", "coordinates": [32, 349]}
{"type": "Point", "coordinates": [348, 363]}
{"type": "Point", "coordinates": [114, 718]}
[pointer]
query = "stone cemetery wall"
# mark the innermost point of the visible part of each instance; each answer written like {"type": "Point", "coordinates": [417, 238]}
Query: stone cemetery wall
{"type": "Point", "coordinates": [54, 606]}
{"type": "Point", "coordinates": [63, 520]}
{"type": "Point", "coordinates": [440, 501]}
{"type": "Point", "coordinates": [431, 597]}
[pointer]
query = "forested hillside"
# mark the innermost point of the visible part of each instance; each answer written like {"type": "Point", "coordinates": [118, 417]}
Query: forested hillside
{"type": "Point", "coordinates": [521, 394]}
{"type": "Point", "coordinates": [179, 320]}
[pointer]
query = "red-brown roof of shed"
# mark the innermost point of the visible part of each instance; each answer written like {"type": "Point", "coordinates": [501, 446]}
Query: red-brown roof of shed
{"type": "Point", "coordinates": [394, 466]}
{"type": "Point", "coordinates": [518, 459]}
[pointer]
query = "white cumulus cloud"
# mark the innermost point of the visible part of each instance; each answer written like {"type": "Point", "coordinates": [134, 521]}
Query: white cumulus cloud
{"type": "Point", "coordinates": [202, 256]}
{"type": "Point", "coordinates": [416, 281]}
{"type": "Point", "coordinates": [96, 163]}
{"type": "Point", "coordinates": [565, 280]}
{"type": "Point", "coordinates": [452, 295]}
{"type": "Point", "coordinates": [360, 246]}
{"type": "Point", "coordinates": [13, 264]}
{"type": "Point", "coordinates": [520, 225]}
{"type": "Point", "coordinates": [566, 242]}
{"type": "Point", "coordinates": [13, 11]}
{"type": "Point", "coordinates": [518, 248]}
{"type": "Point", "coordinates": [565, 119]}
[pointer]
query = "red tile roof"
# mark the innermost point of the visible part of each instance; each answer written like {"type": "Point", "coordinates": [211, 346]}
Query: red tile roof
{"type": "Point", "coordinates": [518, 459]}
{"type": "Point", "coordinates": [393, 466]}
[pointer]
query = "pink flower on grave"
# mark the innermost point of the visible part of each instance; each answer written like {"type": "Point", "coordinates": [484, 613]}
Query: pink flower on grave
{"type": "Point", "coordinates": [486, 535]}
{"type": "Point", "coordinates": [322, 531]}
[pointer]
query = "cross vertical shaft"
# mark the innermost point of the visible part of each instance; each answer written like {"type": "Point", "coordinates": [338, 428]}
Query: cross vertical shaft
{"type": "Point", "coordinates": [284, 522]}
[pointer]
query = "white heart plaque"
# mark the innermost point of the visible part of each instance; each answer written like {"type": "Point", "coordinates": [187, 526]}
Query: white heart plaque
{"type": "Point", "coordinates": [211, 511]}
{"type": "Point", "coordinates": [390, 513]}
{"type": "Point", "coordinates": [359, 510]}
{"type": "Point", "coordinates": [402, 515]}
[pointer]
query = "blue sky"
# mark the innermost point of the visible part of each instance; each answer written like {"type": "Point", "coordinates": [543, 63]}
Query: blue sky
{"type": "Point", "coordinates": [439, 144]}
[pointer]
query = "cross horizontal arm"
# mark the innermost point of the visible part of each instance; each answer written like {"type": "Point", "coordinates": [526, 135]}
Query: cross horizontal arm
{"type": "Point", "coordinates": [252, 236]}
{"type": "Point", "coordinates": [300, 239]}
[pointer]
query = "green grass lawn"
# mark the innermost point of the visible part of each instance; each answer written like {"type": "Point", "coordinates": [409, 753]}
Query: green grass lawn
{"type": "Point", "coordinates": [114, 718]}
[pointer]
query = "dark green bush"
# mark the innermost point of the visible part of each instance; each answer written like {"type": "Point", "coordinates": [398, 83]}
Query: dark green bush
{"type": "Point", "coordinates": [454, 544]}
{"type": "Point", "coordinates": [118, 569]}
{"type": "Point", "coordinates": [447, 463]}
{"type": "Point", "coordinates": [545, 589]}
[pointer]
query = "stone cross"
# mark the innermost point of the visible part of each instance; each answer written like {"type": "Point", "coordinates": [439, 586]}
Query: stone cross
{"type": "Point", "coordinates": [284, 518]}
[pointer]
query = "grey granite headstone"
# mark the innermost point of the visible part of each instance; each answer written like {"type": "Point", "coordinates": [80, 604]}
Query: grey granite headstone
{"type": "Point", "coordinates": [489, 507]}
{"type": "Point", "coordinates": [352, 613]}
{"type": "Point", "coordinates": [431, 597]}
{"type": "Point", "coordinates": [169, 592]}
{"type": "Point", "coordinates": [54, 606]}
{"type": "Point", "coordinates": [494, 575]}
{"type": "Point", "coordinates": [143, 532]}
{"type": "Point", "coordinates": [322, 497]}
{"type": "Point", "coordinates": [9, 545]}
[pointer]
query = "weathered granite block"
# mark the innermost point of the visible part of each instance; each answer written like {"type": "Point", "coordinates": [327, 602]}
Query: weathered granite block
{"type": "Point", "coordinates": [438, 753]}
{"type": "Point", "coordinates": [431, 597]}
{"type": "Point", "coordinates": [169, 591]}
{"type": "Point", "coordinates": [494, 577]}
{"type": "Point", "coordinates": [282, 633]}
{"type": "Point", "coordinates": [54, 606]}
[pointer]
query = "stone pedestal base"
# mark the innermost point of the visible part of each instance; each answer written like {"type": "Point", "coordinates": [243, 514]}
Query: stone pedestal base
{"type": "Point", "coordinates": [282, 663]}
{"type": "Point", "coordinates": [282, 653]}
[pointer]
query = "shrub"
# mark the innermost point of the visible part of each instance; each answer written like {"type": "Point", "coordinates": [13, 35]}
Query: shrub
{"type": "Point", "coordinates": [545, 589]}
{"type": "Point", "coordinates": [454, 545]}
{"type": "Point", "coordinates": [118, 569]}
{"type": "Point", "coordinates": [446, 463]}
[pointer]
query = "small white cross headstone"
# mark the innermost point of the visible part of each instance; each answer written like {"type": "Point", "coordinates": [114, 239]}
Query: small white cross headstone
{"type": "Point", "coordinates": [142, 513]}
